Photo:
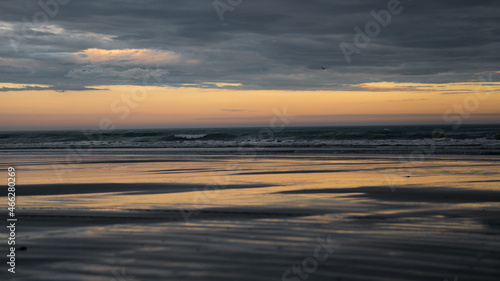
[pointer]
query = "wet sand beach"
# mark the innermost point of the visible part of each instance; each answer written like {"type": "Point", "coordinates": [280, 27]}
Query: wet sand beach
{"type": "Point", "coordinates": [122, 214]}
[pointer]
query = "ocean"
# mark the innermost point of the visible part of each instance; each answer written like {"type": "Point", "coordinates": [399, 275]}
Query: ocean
{"type": "Point", "coordinates": [467, 139]}
{"type": "Point", "coordinates": [343, 203]}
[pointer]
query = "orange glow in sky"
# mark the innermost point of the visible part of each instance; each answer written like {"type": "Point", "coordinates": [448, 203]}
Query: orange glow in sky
{"type": "Point", "coordinates": [152, 107]}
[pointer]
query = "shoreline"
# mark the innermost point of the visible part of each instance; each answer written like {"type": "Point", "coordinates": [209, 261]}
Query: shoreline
{"type": "Point", "coordinates": [264, 150]}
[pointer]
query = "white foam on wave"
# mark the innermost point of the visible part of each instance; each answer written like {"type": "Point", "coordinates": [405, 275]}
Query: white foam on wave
{"type": "Point", "coordinates": [190, 136]}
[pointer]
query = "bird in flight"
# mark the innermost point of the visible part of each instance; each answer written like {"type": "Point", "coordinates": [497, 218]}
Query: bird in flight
{"type": "Point", "coordinates": [323, 67]}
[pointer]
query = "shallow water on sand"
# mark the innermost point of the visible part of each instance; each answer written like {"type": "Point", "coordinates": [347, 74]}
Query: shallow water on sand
{"type": "Point", "coordinates": [156, 215]}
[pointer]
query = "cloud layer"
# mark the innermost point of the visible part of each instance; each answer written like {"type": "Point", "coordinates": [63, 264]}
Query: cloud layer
{"type": "Point", "coordinates": [280, 44]}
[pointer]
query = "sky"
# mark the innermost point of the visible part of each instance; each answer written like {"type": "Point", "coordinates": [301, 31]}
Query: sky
{"type": "Point", "coordinates": [71, 64]}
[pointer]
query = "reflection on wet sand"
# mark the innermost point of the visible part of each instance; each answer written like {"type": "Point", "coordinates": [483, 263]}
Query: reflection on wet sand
{"type": "Point", "coordinates": [218, 217]}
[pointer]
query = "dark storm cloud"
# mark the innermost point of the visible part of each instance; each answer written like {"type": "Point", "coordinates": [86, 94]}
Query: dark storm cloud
{"type": "Point", "coordinates": [261, 44]}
